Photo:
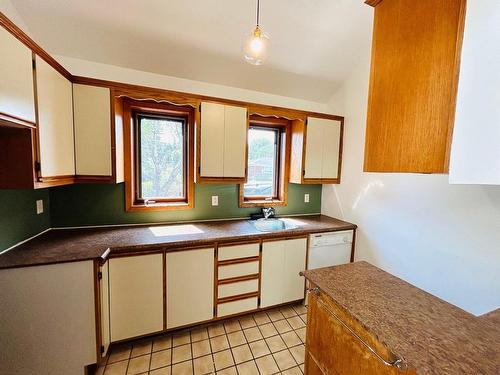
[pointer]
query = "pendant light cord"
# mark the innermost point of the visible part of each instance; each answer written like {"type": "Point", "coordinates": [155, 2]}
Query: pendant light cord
{"type": "Point", "coordinates": [258, 11]}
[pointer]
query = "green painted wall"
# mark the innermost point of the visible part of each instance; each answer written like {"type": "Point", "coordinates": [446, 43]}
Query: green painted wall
{"type": "Point", "coordinates": [18, 218]}
{"type": "Point", "coordinates": [89, 204]}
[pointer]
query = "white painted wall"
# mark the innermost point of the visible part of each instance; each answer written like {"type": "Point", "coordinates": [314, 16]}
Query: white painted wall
{"type": "Point", "coordinates": [442, 238]}
{"type": "Point", "coordinates": [475, 153]}
{"type": "Point", "coordinates": [115, 73]}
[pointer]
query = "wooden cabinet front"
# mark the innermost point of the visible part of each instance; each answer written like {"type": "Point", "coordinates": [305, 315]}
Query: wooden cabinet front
{"type": "Point", "coordinates": [55, 122]}
{"type": "Point", "coordinates": [337, 344]}
{"type": "Point", "coordinates": [281, 263]}
{"type": "Point", "coordinates": [17, 97]}
{"type": "Point", "coordinates": [190, 286]}
{"type": "Point", "coordinates": [135, 296]}
{"type": "Point", "coordinates": [222, 140]}
{"type": "Point", "coordinates": [413, 85]}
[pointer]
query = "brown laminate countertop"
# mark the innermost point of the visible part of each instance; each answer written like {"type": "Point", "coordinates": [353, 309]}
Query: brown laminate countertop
{"type": "Point", "coordinates": [70, 245]}
{"type": "Point", "coordinates": [433, 336]}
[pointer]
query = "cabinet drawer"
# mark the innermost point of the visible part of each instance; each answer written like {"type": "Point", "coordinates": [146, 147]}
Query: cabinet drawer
{"type": "Point", "coordinates": [236, 307]}
{"type": "Point", "coordinates": [238, 251]}
{"type": "Point", "coordinates": [240, 287]}
{"type": "Point", "coordinates": [237, 270]}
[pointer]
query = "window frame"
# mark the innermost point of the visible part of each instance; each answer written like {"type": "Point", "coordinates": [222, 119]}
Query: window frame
{"type": "Point", "coordinates": [132, 111]}
{"type": "Point", "coordinates": [137, 160]}
{"type": "Point", "coordinates": [280, 197]}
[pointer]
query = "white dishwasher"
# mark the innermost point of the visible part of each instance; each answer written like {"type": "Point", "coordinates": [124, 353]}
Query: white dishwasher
{"type": "Point", "coordinates": [329, 249]}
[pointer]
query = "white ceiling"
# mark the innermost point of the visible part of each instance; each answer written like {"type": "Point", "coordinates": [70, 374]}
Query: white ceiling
{"type": "Point", "coordinates": [314, 43]}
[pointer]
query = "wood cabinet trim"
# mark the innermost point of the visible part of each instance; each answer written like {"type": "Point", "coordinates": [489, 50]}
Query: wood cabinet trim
{"type": "Point", "coordinates": [373, 3]}
{"type": "Point", "coordinates": [229, 262]}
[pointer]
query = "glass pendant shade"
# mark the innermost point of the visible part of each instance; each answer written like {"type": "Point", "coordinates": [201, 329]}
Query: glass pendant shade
{"type": "Point", "coordinates": [255, 48]}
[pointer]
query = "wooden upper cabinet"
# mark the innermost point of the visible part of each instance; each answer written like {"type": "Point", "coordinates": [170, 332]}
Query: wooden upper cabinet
{"type": "Point", "coordinates": [17, 98]}
{"type": "Point", "coordinates": [316, 151]}
{"type": "Point", "coordinates": [92, 119]}
{"type": "Point", "coordinates": [222, 143]}
{"type": "Point", "coordinates": [413, 85]}
{"type": "Point", "coordinates": [55, 122]}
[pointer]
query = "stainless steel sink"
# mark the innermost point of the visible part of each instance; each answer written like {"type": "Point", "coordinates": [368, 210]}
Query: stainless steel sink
{"type": "Point", "coordinates": [271, 225]}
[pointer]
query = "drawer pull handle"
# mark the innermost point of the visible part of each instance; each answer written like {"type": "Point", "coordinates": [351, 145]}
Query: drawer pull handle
{"type": "Point", "coordinates": [399, 363]}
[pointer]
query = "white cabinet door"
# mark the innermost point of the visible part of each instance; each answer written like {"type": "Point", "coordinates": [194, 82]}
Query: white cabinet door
{"type": "Point", "coordinates": [212, 140]}
{"type": "Point", "coordinates": [55, 117]}
{"type": "Point", "coordinates": [331, 149]}
{"type": "Point", "coordinates": [17, 96]}
{"type": "Point", "coordinates": [235, 141]}
{"type": "Point", "coordinates": [322, 148]}
{"type": "Point", "coordinates": [295, 252]}
{"type": "Point", "coordinates": [272, 273]}
{"type": "Point", "coordinates": [223, 140]}
{"type": "Point", "coordinates": [104, 298]}
{"type": "Point", "coordinates": [281, 263]}
{"type": "Point", "coordinates": [314, 149]}
{"type": "Point", "coordinates": [190, 287]}
{"type": "Point", "coordinates": [135, 295]}
{"type": "Point", "coordinates": [92, 119]}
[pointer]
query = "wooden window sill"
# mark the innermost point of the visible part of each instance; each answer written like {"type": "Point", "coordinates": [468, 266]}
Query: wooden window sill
{"type": "Point", "coordinates": [170, 206]}
{"type": "Point", "coordinates": [263, 203]}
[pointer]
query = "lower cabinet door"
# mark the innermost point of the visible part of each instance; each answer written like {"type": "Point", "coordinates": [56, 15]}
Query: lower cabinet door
{"type": "Point", "coordinates": [272, 273]}
{"type": "Point", "coordinates": [295, 253]}
{"type": "Point", "coordinates": [135, 295]}
{"type": "Point", "coordinates": [281, 263]}
{"type": "Point", "coordinates": [190, 287]}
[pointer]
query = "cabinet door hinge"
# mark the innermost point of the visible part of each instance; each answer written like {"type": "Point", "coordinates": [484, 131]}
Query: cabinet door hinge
{"type": "Point", "coordinates": [99, 275]}
{"type": "Point", "coordinates": [33, 64]}
{"type": "Point", "coordinates": [199, 108]}
{"type": "Point", "coordinates": [38, 166]}
{"type": "Point", "coordinates": [303, 172]}
{"type": "Point", "coordinates": [199, 170]}
{"type": "Point", "coordinates": [102, 349]}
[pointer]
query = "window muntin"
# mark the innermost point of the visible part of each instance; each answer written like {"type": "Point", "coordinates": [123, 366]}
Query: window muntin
{"type": "Point", "coordinates": [161, 158]}
{"type": "Point", "coordinates": [263, 164]}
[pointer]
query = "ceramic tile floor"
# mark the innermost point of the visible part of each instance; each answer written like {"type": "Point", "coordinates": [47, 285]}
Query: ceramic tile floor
{"type": "Point", "coordinates": [265, 343]}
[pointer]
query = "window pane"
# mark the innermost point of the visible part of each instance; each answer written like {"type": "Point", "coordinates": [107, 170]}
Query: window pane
{"type": "Point", "coordinates": [262, 162]}
{"type": "Point", "coordinates": [161, 156]}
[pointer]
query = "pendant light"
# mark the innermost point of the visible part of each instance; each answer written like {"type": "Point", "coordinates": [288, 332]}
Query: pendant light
{"type": "Point", "coordinates": [255, 48]}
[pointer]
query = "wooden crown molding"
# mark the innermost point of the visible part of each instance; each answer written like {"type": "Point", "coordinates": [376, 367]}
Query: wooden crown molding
{"type": "Point", "coordinates": [373, 3]}
{"type": "Point", "coordinates": [30, 43]}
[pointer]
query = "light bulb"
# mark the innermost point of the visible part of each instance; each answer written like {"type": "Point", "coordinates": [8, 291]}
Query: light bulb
{"type": "Point", "coordinates": [255, 47]}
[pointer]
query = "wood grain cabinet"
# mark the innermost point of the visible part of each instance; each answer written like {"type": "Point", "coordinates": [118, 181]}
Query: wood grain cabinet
{"type": "Point", "coordinates": [222, 138]}
{"type": "Point", "coordinates": [17, 98]}
{"type": "Point", "coordinates": [281, 263]}
{"type": "Point", "coordinates": [190, 286]}
{"type": "Point", "coordinates": [135, 296]}
{"type": "Point", "coordinates": [316, 151]}
{"type": "Point", "coordinates": [92, 121]}
{"type": "Point", "coordinates": [413, 85]}
{"type": "Point", "coordinates": [55, 123]}
{"type": "Point", "coordinates": [338, 344]}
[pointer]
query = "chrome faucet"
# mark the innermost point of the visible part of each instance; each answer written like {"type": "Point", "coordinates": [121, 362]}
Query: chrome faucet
{"type": "Point", "coordinates": [268, 212]}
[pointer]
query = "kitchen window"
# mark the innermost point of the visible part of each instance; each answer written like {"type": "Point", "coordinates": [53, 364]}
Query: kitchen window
{"type": "Point", "coordinates": [161, 156]}
{"type": "Point", "coordinates": [266, 163]}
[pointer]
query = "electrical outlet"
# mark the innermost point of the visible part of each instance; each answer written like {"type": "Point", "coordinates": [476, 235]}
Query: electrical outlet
{"type": "Point", "coordinates": [306, 198]}
{"type": "Point", "coordinates": [215, 200]}
{"type": "Point", "coordinates": [39, 207]}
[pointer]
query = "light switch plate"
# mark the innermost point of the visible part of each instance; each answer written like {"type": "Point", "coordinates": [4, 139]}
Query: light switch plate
{"type": "Point", "coordinates": [215, 200]}
{"type": "Point", "coordinates": [39, 207]}
{"type": "Point", "coordinates": [306, 198]}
